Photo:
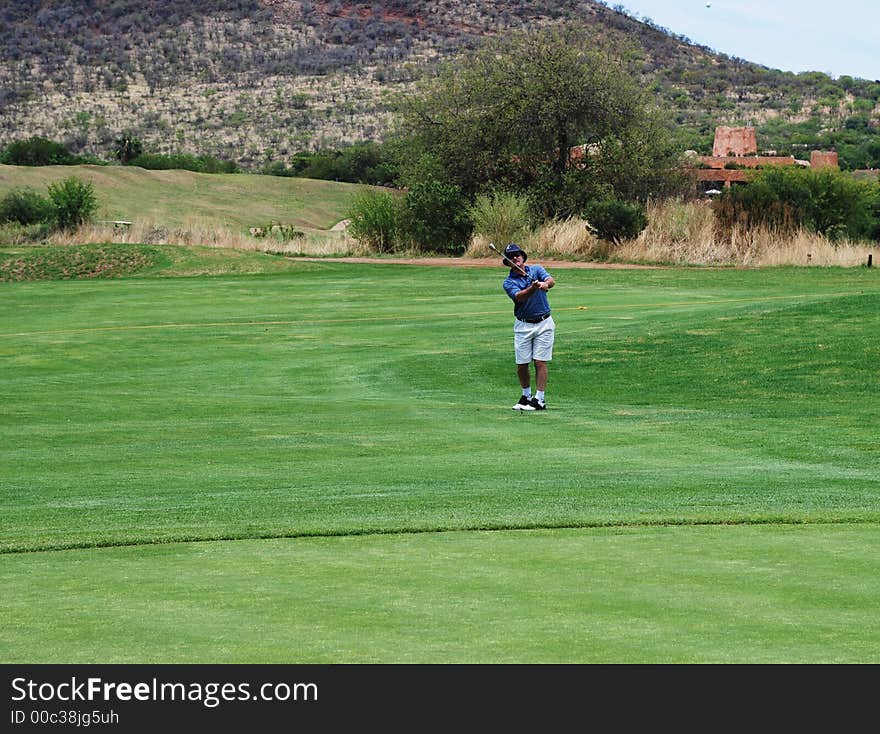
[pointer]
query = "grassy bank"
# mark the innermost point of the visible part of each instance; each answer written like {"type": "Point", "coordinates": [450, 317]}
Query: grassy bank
{"type": "Point", "coordinates": [220, 210]}
{"type": "Point", "coordinates": [184, 199]}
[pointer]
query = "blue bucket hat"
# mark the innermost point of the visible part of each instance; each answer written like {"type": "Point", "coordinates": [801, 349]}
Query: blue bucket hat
{"type": "Point", "coordinates": [512, 249]}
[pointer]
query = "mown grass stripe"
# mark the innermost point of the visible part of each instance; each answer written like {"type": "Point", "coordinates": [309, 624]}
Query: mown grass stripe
{"type": "Point", "coordinates": [424, 317]}
{"type": "Point", "coordinates": [443, 529]}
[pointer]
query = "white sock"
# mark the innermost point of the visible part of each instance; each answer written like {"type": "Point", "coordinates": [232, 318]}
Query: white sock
{"type": "Point", "coordinates": [527, 392]}
{"type": "Point", "coordinates": [540, 396]}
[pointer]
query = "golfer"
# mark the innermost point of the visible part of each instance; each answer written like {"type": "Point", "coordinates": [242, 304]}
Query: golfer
{"type": "Point", "coordinates": [533, 329]}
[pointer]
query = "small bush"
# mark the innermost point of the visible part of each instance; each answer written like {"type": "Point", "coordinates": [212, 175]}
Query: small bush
{"type": "Point", "coordinates": [37, 151]}
{"type": "Point", "coordinates": [757, 205]}
{"type": "Point", "coordinates": [365, 163]}
{"type": "Point", "coordinates": [874, 213]}
{"type": "Point", "coordinates": [435, 218]}
{"type": "Point", "coordinates": [277, 231]}
{"type": "Point", "coordinates": [183, 162]}
{"type": "Point", "coordinates": [615, 220]}
{"type": "Point", "coordinates": [829, 202]}
{"type": "Point", "coordinates": [14, 234]}
{"type": "Point", "coordinates": [25, 206]}
{"type": "Point", "coordinates": [126, 148]}
{"type": "Point", "coordinates": [74, 202]}
{"type": "Point", "coordinates": [501, 216]}
{"type": "Point", "coordinates": [375, 220]}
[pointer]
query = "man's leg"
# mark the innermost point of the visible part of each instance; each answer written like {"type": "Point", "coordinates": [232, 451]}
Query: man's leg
{"type": "Point", "coordinates": [540, 375]}
{"type": "Point", "coordinates": [522, 372]}
{"type": "Point", "coordinates": [542, 354]}
{"type": "Point", "coordinates": [523, 347]}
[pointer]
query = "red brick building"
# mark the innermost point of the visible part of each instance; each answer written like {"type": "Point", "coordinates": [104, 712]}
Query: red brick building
{"type": "Point", "coordinates": [735, 151]}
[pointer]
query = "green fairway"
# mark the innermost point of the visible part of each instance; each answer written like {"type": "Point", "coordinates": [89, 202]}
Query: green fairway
{"type": "Point", "coordinates": [373, 403]}
{"type": "Point", "coordinates": [723, 594]}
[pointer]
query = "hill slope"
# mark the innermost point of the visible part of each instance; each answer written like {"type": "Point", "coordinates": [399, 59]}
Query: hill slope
{"type": "Point", "coordinates": [257, 80]}
{"type": "Point", "coordinates": [184, 198]}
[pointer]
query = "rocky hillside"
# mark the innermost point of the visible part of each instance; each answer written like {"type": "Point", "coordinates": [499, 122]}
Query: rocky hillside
{"type": "Point", "coordinates": [257, 80]}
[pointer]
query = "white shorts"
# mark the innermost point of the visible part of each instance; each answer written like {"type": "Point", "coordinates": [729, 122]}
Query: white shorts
{"type": "Point", "coordinates": [533, 341]}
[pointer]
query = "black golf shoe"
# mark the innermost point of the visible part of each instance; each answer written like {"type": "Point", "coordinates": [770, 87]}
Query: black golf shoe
{"type": "Point", "coordinates": [537, 404]}
{"type": "Point", "coordinates": [524, 404]}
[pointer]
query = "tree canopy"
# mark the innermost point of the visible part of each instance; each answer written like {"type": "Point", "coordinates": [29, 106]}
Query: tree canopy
{"type": "Point", "coordinates": [510, 114]}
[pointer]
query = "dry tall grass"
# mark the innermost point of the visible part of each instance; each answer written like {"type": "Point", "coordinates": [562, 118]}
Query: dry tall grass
{"type": "Point", "coordinates": [314, 243]}
{"type": "Point", "coordinates": [568, 239]}
{"type": "Point", "coordinates": [678, 233]}
{"type": "Point", "coordinates": [684, 233]}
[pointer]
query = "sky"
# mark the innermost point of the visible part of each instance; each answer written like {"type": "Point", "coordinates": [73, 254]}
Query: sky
{"type": "Point", "coordinates": [837, 37]}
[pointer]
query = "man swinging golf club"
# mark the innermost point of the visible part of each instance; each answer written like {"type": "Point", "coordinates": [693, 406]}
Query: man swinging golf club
{"type": "Point", "coordinates": [533, 329]}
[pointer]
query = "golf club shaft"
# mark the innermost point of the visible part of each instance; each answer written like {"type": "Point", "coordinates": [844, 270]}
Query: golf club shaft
{"type": "Point", "coordinates": [521, 270]}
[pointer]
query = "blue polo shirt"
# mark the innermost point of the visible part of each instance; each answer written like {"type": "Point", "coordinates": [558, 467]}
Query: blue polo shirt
{"type": "Point", "coordinates": [536, 304]}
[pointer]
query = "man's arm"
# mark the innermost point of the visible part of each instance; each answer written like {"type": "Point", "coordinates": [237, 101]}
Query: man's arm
{"type": "Point", "coordinates": [528, 292]}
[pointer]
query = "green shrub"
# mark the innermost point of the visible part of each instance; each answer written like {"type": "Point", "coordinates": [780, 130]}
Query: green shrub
{"type": "Point", "coordinates": [209, 164]}
{"type": "Point", "coordinates": [13, 234]}
{"type": "Point", "coordinates": [366, 163]}
{"type": "Point", "coordinates": [323, 165]}
{"type": "Point", "coordinates": [874, 213]}
{"type": "Point", "coordinates": [74, 202]}
{"type": "Point", "coordinates": [277, 231]}
{"type": "Point", "coordinates": [435, 218]}
{"type": "Point", "coordinates": [183, 162]}
{"type": "Point", "coordinates": [375, 220]}
{"type": "Point", "coordinates": [37, 151]}
{"type": "Point", "coordinates": [840, 205]}
{"type": "Point", "coordinates": [757, 205]}
{"type": "Point", "coordinates": [827, 201]}
{"type": "Point", "coordinates": [278, 168]}
{"type": "Point", "coordinates": [615, 220]}
{"type": "Point", "coordinates": [25, 206]}
{"type": "Point", "coordinates": [501, 216]}
{"type": "Point", "coordinates": [127, 147]}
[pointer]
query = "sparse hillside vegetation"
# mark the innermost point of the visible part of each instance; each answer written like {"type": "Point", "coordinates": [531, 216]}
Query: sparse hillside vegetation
{"type": "Point", "coordinates": [257, 81]}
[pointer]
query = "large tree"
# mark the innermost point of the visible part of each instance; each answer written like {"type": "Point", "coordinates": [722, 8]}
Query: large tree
{"type": "Point", "coordinates": [509, 114]}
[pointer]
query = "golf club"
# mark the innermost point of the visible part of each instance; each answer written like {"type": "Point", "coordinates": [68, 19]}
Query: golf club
{"type": "Point", "coordinates": [521, 270]}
